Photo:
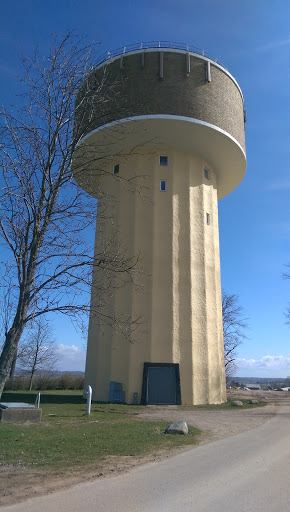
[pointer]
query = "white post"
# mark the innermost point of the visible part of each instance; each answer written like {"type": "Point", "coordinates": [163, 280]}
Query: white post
{"type": "Point", "coordinates": [37, 401]}
{"type": "Point", "coordinates": [89, 399]}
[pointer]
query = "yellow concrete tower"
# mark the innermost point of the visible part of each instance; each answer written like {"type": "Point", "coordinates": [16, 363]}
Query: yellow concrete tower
{"type": "Point", "coordinates": [177, 126]}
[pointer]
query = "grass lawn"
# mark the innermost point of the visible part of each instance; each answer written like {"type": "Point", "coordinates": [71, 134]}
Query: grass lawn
{"type": "Point", "coordinates": [68, 439]}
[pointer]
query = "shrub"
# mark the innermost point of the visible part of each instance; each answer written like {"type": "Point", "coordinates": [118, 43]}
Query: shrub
{"type": "Point", "coordinates": [45, 381]}
{"type": "Point", "coordinates": [70, 381]}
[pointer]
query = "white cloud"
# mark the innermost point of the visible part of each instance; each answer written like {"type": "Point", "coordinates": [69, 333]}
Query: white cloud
{"type": "Point", "coordinates": [73, 358]}
{"type": "Point", "coordinates": [265, 362]}
{"type": "Point", "coordinates": [276, 366]}
{"type": "Point", "coordinates": [70, 358]}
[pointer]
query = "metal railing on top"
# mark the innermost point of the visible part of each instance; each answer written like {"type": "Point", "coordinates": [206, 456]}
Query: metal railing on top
{"type": "Point", "coordinates": [155, 44]}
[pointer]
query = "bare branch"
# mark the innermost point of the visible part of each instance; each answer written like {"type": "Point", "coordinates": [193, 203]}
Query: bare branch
{"type": "Point", "coordinates": [46, 219]}
{"type": "Point", "coordinates": [234, 325]}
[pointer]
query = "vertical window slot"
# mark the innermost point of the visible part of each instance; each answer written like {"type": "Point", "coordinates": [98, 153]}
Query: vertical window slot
{"type": "Point", "coordinates": [207, 173]}
{"type": "Point", "coordinates": [162, 185]}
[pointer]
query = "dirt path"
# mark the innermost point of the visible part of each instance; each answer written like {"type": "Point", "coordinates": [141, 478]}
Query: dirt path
{"type": "Point", "coordinates": [18, 483]}
{"type": "Point", "coordinates": [217, 424]}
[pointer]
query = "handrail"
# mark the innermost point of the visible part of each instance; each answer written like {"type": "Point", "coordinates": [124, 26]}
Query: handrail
{"type": "Point", "coordinates": [107, 56]}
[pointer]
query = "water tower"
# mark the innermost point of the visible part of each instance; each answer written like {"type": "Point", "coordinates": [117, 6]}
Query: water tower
{"type": "Point", "coordinates": [177, 124]}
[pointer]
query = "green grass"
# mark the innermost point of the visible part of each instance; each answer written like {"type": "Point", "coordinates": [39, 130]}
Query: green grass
{"type": "Point", "coordinates": [68, 439]}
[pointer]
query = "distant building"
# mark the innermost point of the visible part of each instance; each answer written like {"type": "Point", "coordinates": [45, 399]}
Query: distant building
{"type": "Point", "coordinates": [252, 387]}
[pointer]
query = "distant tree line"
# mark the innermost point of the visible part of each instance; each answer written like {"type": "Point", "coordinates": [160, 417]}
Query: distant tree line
{"type": "Point", "coordinates": [45, 381]}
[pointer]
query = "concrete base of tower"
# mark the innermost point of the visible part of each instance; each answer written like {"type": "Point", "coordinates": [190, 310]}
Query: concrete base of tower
{"type": "Point", "coordinates": [171, 315]}
{"type": "Point", "coordinates": [158, 384]}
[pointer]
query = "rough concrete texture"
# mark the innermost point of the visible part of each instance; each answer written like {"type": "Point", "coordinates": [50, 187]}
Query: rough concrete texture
{"type": "Point", "coordinates": [140, 91]}
{"type": "Point", "coordinates": [19, 415]}
{"type": "Point", "coordinates": [180, 300]}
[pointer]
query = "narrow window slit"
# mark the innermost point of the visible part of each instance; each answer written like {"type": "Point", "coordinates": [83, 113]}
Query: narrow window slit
{"type": "Point", "coordinates": [116, 169]}
{"type": "Point", "coordinates": [162, 185]}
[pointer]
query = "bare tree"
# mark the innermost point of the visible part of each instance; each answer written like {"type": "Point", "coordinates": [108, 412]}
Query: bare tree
{"type": "Point", "coordinates": [45, 217]}
{"type": "Point", "coordinates": [37, 351]}
{"type": "Point", "coordinates": [234, 325]}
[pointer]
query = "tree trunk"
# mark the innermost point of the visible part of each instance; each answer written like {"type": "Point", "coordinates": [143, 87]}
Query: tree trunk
{"type": "Point", "coordinates": [33, 368]}
{"type": "Point", "coordinates": [31, 379]}
{"type": "Point", "coordinates": [8, 354]}
{"type": "Point", "coordinates": [12, 369]}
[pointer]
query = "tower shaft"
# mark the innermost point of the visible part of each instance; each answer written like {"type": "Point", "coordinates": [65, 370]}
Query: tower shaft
{"type": "Point", "coordinates": [175, 232]}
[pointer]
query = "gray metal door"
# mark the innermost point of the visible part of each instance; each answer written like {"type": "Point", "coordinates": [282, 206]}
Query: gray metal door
{"type": "Point", "coordinates": [161, 385]}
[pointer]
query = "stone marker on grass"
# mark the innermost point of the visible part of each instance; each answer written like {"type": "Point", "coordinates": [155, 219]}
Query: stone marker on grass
{"type": "Point", "coordinates": [237, 403]}
{"type": "Point", "coordinates": [177, 428]}
{"type": "Point", "coordinates": [253, 401]}
{"type": "Point", "coordinates": [18, 412]}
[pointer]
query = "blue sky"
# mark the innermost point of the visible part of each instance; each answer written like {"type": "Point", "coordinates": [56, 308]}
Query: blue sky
{"type": "Point", "coordinates": [252, 39]}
